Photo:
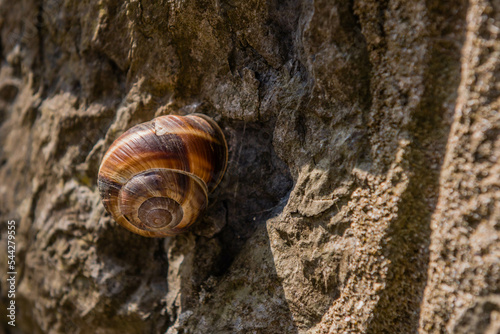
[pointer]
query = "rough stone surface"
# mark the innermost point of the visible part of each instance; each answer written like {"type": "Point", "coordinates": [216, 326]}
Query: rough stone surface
{"type": "Point", "coordinates": [362, 193]}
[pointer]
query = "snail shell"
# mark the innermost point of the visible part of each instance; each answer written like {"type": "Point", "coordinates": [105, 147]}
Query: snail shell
{"type": "Point", "coordinates": [155, 178]}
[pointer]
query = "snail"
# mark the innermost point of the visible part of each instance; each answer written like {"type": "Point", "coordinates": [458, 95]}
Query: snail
{"type": "Point", "coordinates": [155, 178]}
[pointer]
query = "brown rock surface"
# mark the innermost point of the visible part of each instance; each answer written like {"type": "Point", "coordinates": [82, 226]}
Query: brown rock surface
{"type": "Point", "coordinates": [362, 193]}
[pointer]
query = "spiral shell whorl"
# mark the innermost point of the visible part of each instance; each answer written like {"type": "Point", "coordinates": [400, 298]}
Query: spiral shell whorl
{"type": "Point", "coordinates": [155, 178]}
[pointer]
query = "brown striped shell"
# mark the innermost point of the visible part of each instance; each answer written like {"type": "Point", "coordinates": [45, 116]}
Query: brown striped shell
{"type": "Point", "coordinates": [154, 179]}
